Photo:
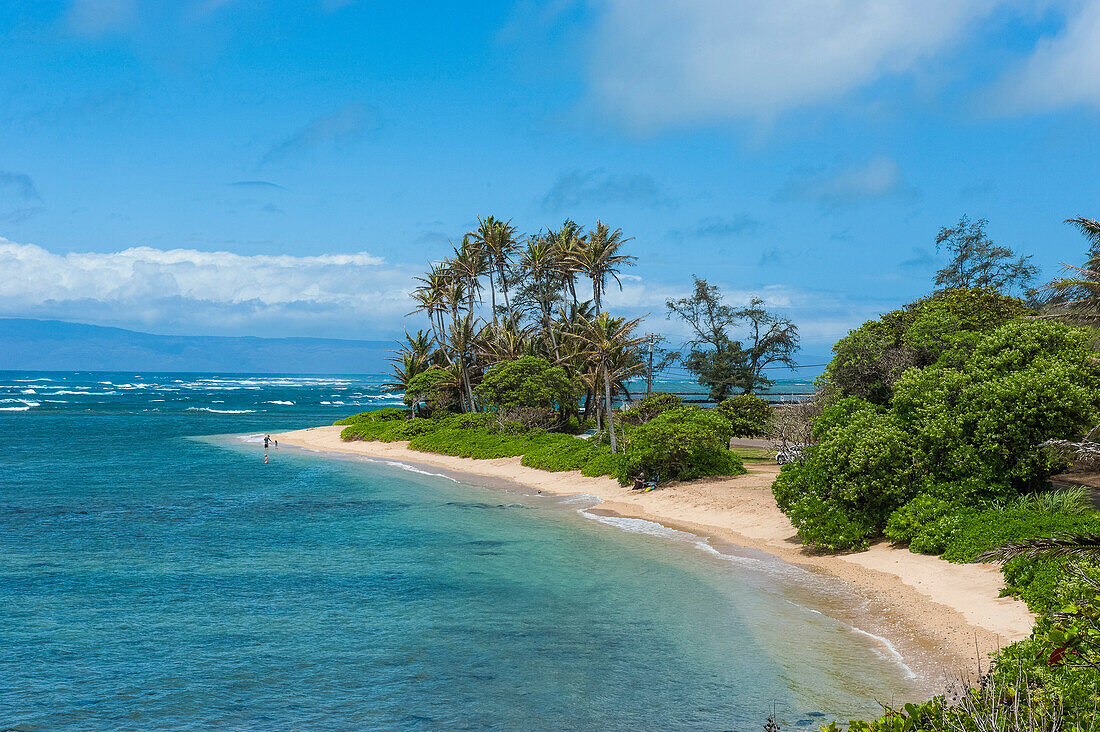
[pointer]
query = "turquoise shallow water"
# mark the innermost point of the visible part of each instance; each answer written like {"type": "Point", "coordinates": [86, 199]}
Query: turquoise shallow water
{"type": "Point", "coordinates": [155, 578]}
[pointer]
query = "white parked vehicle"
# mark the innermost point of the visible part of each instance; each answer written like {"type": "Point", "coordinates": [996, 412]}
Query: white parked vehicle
{"type": "Point", "coordinates": [789, 454]}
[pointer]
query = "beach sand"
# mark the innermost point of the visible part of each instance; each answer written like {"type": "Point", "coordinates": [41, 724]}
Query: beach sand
{"type": "Point", "coordinates": [935, 613]}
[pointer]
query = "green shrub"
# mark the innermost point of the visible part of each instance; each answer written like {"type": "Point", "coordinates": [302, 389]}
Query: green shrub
{"type": "Point", "coordinates": [528, 390]}
{"type": "Point", "coordinates": [943, 328]}
{"type": "Point", "coordinates": [385, 414]}
{"type": "Point", "coordinates": [562, 452]}
{"type": "Point", "coordinates": [680, 444]}
{"type": "Point", "coordinates": [748, 415]}
{"type": "Point", "coordinates": [938, 534]}
{"type": "Point", "coordinates": [909, 521]}
{"type": "Point", "coordinates": [437, 388]}
{"type": "Point", "coordinates": [968, 436]}
{"type": "Point", "coordinates": [602, 463]}
{"type": "Point", "coordinates": [649, 407]}
{"type": "Point", "coordinates": [982, 531]}
{"type": "Point", "coordinates": [824, 523]}
{"type": "Point", "coordinates": [1072, 501]}
{"type": "Point", "coordinates": [861, 471]}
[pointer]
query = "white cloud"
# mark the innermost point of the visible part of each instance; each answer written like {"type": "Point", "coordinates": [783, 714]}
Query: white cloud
{"type": "Point", "coordinates": [332, 294]}
{"type": "Point", "coordinates": [879, 177]}
{"type": "Point", "coordinates": [672, 62]}
{"type": "Point", "coordinates": [1062, 71]}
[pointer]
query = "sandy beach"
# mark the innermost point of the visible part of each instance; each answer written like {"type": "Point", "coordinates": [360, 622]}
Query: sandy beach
{"type": "Point", "coordinates": [933, 612]}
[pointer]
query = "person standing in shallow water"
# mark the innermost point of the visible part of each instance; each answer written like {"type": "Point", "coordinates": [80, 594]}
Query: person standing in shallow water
{"type": "Point", "coordinates": [267, 441]}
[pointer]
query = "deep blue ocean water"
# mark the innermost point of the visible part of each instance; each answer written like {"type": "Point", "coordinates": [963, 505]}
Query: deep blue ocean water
{"type": "Point", "coordinates": [156, 574]}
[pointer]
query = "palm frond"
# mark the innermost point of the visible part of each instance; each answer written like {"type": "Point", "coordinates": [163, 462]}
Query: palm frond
{"type": "Point", "coordinates": [1068, 545]}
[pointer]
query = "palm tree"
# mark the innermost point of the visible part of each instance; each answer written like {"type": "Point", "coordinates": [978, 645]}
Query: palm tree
{"type": "Point", "coordinates": [463, 343]}
{"type": "Point", "coordinates": [600, 258]}
{"type": "Point", "coordinates": [605, 336]}
{"type": "Point", "coordinates": [542, 268]}
{"type": "Point", "coordinates": [1076, 298]}
{"type": "Point", "coordinates": [502, 344]}
{"type": "Point", "coordinates": [569, 243]}
{"type": "Point", "coordinates": [431, 297]}
{"type": "Point", "coordinates": [470, 264]}
{"type": "Point", "coordinates": [498, 240]}
{"type": "Point", "coordinates": [411, 357]}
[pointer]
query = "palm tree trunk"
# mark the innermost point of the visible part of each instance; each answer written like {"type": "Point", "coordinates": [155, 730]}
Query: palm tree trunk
{"type": "Point", "coordinates": [493, 293]}
{"type": "Point", "coordinates": [504, 289]}
{"type": "Point", "coordinates": [469, 389]}
{"type": "Point", "coordinates": [596, 294]}
{"type": "Point", "coordinates": [439, 339]}
{"type": "Point", "coordinates": [607, 402]}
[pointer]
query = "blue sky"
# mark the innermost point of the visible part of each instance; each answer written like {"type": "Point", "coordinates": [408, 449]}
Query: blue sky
{"type": "Point", "coordinates": [264, 168]}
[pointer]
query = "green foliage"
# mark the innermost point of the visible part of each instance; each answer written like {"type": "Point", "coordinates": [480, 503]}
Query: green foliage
{"type": "Point", "coordinates": [384, 414]}
{"type": "Point", "coordinates": [649, 407]}
{"type": "Point", "coordinates": [860, 472]}
{"type": "Point", "coordinates": [1026, 382]}
{"type": "Point", "coordinates": [943, 328]}
{"type": "Point", "coordinates": [1073, 501]}
{"type": "Point", "coordinates": [984, 530]}
{"type": "Point", "coordinates": [748, 415]}
{"type": "Point", "coordinates": [527, 389]}
{"type": "Point", "coordinates": [826, 524]}
{"type": "Point", "coordinates": [602, 463]}
{"type": "Point", "coordinates": [910, 520]}
{"type": "Point", "coordinates": [435, 387]}
{"type": "Point", "coordinates": [680, 444]}
{"type": "Point", "coordinates": [965, 436]}
{"type": "Point", "coordinates": [560, 452]}
{"type": "Point", "coordinates": [481, 436]}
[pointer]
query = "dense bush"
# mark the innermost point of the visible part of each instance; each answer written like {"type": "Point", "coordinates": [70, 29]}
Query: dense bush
{"type": "Point", "coordinates": [384, 414]}
{"type": "Point", "coordinates": [748, 415]}
{"type": "Point", "coordinates": [968, 436]}
{"type": "Point", "coordinates": [558, 453]}
{"type": "Point", "coordinates": [680, 444]}
{"type": "Point", "coordinates": [910, 520]}
{"type": "Point", "coordinates": [982, 531]}
{"type": "Point", "coordinates": [852, 480]}
{"type": "Point", "coordinates": [602, 463]}
{"type": "Point", "coordinates": [649, 407]}
{"type": "Point", "coordinates": [436, 388]}
{"type": "Point", "coordinates": [942, 328]}
{"type": "Point", "coordinates": [527, 390]}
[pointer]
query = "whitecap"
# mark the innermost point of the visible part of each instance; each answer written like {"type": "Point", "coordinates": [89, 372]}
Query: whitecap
{"type": "Point", "coordinates": [220, 411]}
{"type": "Point", "coordinates": [14, 409]}
{"type": "Point", "coordinates": [27, 391]}
{"type": "Point", "coordinates": [280, 402]}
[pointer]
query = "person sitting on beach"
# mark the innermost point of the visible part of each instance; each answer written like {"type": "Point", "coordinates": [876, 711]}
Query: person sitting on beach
{"type": "Point", "coordinates": [639, 482]}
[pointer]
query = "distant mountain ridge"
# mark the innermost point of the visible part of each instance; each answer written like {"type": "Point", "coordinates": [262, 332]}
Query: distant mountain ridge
{"type": "Point", "coordinates": [53, 345]}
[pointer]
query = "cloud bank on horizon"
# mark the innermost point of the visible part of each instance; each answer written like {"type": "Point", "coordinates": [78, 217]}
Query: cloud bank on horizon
{"type": "Point", "coordinates": [197, 167]}
{"type": "Point", "coordinates": [206, 292]}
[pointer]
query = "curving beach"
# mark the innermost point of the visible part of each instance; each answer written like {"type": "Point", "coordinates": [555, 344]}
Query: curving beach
{"type": "Point", "coordinates": [933, 611]}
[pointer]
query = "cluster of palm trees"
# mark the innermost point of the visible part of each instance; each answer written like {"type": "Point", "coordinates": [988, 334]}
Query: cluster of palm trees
{"type": "Point", "coordinates": [534, 310]}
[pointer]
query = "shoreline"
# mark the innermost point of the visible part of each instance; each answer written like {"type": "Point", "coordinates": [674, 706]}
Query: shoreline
{"type": "Point", "coordinates": [944, 617]}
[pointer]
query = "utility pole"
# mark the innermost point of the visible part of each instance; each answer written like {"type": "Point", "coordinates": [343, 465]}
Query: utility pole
{"type": "Point", "coordinates": [649, 375]}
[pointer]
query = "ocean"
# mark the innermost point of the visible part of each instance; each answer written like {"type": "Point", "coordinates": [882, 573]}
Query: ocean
{"type": "Point", "coordinates": [156, 574]}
